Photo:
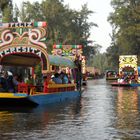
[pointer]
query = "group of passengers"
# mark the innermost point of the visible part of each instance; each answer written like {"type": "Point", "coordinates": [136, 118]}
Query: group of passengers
{"type": "Point", "coordinates": [8, 82]}
{"type": "Point", "coordinates": [60, 78]}
{"type": "Point", "coordinates": [128, 78]}
{"type": "Point", "coordinates": [111, 74]}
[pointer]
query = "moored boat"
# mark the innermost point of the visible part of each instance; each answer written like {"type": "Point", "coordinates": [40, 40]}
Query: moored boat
{"type": "Point", "coordinates": [128, 72]}
{"type": "Point", "coordinates": [71, 52]}
{"type": "Point", "coordinates": [28, 50]}
{"type": "Point", "coordinates": [111, 75]}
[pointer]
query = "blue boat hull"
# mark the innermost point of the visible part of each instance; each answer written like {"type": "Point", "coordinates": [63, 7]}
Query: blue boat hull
{"type": "Point", "coordinates": [17, 99]}
{"type": "Point", "coordinates": [126, 84]}
{"type": "Point", "coordinates": [41, 99]}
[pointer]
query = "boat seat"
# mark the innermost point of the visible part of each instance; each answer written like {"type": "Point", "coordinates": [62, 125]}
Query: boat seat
{"type": "Point", "coordinates": [23, 88]}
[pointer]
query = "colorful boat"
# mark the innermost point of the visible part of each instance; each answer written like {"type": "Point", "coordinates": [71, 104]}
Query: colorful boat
{"type": "Point", "coordinates": [111, 75]}
{"type": "Point", "coordinates": [72, 51]}
{"type": "Point", "coordinates": [18, 48]}
{"type": "Point", "coordinates": [128, 71]}
{"type": "Point", "coordinates": [125, 84]}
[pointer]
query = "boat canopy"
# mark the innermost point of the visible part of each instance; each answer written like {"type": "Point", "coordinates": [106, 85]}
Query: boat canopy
{"type": "Point", "coordinates": [27, 60]}
{"type": "Point", "coordinates": [111, 71]}
{"type": "Point", "coordinates": [128, 63]}
{"type": "Point", "coordinates": [61, 61]}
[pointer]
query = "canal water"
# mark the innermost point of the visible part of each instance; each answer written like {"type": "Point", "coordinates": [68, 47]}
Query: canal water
{"type": "Point", "coordinates": [102, 113]}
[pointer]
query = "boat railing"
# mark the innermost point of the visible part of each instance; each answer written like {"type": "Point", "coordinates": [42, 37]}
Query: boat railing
{"type": "Point", "coordinates": [48, 88]}
{"type": "Point", "coordinates": [22, 88]}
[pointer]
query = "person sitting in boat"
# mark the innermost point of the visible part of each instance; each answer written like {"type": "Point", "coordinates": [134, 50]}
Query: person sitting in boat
{"type": "Point", "coordinates": [57, 78]}
{"type": "Point", "coordinates": [15, 80]}
{"type": "Point", "coordinates": [127, 78]}
{"type": "Point", "coordinates": [12, 82]}
{"type": "Point", "coordinates": [11, 86]}
{"type": "Point", "coordinates": [3, 82]}
{"type": "Point", "coordinates": [30, 80]}
{"type": "Point", "coordinates": [64, 77]}
{"type": "Point", "coordinates": [121, 79]}
{"type": "Point", "coordinates": [133, 79]}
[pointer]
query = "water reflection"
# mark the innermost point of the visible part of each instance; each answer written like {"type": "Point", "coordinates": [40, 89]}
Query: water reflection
{"type": "Point", "coordinates": [127, 107]}
{"type": "Point", "coordinates": [33, 123]}
{"type": "Point", "coordinates": [127, 112]}
{"type": "Point", "coordinates": [101, 113]}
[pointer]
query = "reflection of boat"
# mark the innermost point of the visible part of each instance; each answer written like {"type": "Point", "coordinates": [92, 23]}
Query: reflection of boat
{"type": "Point", "coordinates": [127, 108]}
{"type": "Point", "coordinates": [28, 50]}
{"type": "Point", "coordinates": [111, 75]}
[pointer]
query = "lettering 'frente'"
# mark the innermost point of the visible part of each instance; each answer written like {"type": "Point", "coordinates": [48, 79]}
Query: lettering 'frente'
{"type": "Point", "coordinates": [20, 50]}
{"type": "Point", "coordinates": [22, 24]}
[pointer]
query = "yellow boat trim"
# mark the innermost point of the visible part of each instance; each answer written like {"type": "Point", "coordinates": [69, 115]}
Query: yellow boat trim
{"type": "Point", "coordinates": [61, 85]}
{"type": "Point", "coordinates": [13, 95]}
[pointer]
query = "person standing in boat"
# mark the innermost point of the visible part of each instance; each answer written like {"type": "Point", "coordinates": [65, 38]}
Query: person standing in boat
{"type": "Point", "coordinates": [3, 82]}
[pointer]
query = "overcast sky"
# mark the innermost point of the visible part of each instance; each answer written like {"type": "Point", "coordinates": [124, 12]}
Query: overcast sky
{"type": "Point", "coordinates": [102, 9]}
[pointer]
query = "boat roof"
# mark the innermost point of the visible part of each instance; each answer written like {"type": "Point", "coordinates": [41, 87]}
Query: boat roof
{"type": "Point", "coordinates": [32, 60]}
{"type": "Point", "coordinates": [61, 61]}
{"type": "Point", "coordinates": [27, 60]}
{"type": "Point", "coordinates": [128, 61]}
{"type": "Point", "coordinates": [110, 70]}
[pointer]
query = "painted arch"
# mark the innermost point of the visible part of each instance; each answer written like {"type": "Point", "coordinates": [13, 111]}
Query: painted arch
{"type": "Point", "coordinates": [24, 48]}
{"type": "Point", "coordinates": [128, 62]}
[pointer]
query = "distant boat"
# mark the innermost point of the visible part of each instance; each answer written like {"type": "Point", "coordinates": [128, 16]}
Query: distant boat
{"type": "Point", "coordinates": [128, 71]}
{"type": "Point", "coordinates": [111, 75]}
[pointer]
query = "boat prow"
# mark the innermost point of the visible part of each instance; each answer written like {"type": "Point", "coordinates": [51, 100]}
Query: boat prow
{"type": "Point", "coordinates": [15, 99]}
{"type": "Point", "coordinates": [24, 99]}
{"type": "Point", "coordinates": [124, 84]}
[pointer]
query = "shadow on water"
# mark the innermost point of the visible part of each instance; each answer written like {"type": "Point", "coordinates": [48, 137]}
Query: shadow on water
{"type": "Point", "coordinates": [40, 108]}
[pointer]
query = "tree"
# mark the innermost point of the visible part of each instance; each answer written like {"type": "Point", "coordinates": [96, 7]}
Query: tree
{"type": "Point", "coordinates": [100, 61]}
{"type": "Point", "coordinates": [65, 26]}
{"type": "Point", "coordinates": [125, 21]}
{"type": "Point", "coordinates": [7, 10]}
{"type": "Point", "coordinates": [3, 4]}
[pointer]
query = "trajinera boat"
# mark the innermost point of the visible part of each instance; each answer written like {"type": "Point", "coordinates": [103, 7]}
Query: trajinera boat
{"type": "Point", "coordinates": [71, 51]}
{"type": "Point", "coordinates": [128, 71]}
{"type": "Point", "coordinates": [25, 48]}
{"type": "Point", "coordinates": [111, 75]}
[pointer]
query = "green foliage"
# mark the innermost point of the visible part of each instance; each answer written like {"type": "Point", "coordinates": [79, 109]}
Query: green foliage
{"type": "Point", "coordinates": [7, 10]}
{"type": "Point", "coordinates": [100, 61]}
{"type": "Point", "coordinates": [38, 70]}
{"type": "Point", "coordinates": [125, 21]}
{"type": "Point", "coordinates": [3, 4]}
{"type": "Point", "coordinates": [65, 26]}
{"type": "Point", "coordinates": [15, 13]}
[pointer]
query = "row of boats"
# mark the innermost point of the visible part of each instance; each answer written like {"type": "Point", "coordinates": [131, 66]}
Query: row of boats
{"type": "Point", "coordinates": [27, 49]}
